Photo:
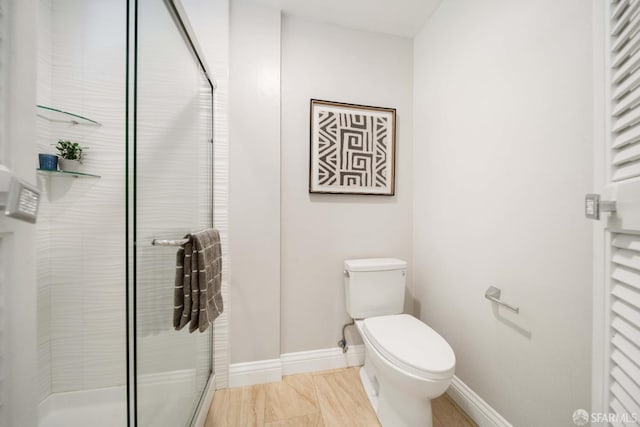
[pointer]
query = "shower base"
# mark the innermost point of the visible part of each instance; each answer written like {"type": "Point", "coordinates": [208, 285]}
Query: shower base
{"type": "Point", "coordinates": [104, 407]}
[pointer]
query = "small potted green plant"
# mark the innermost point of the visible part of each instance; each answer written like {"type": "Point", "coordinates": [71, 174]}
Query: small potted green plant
{"type": "Point", "coordinates": [70, 155]}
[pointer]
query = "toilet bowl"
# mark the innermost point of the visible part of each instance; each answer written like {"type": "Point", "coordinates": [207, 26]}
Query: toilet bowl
{"type": "Point", "coordinates": [407, 364]}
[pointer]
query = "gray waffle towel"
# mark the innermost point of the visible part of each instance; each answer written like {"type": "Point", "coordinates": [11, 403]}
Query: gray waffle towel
{"type": "Point", "coordinates": [197, 295]}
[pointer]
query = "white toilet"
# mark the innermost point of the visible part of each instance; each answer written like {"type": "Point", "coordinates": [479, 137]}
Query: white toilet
{"type": "Point", "coordinates": [406, 364]}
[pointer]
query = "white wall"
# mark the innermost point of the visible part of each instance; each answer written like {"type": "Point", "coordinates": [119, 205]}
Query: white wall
{"type": "Point", "coordinates": [313, 234]}
{"type": "Point", "coordinates": [502, 162]}
{"type": "Point", "coordinates": [320, 231]}
{"type": "Point", "coordinates": [254, 188]}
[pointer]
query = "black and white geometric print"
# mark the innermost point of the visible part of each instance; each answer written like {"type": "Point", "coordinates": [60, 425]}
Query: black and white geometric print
{"type": "Point", "coordinates": [351, 150]}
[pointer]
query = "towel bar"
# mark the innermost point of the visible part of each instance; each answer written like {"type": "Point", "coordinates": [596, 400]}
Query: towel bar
{"type": "Point", "coordinates": [493, 294]}
{"type": "Point", "coordinates": [177, 242]}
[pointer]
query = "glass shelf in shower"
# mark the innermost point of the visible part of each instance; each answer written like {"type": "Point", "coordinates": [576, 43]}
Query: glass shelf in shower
{"type": "Point", "coordinates": [59, 116]}
{"type": "Point", "coordinates": [66, 174]}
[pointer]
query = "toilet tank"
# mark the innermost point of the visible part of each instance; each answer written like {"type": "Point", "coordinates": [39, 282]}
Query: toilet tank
{"type": "Point", "coordinates": [374, 286]}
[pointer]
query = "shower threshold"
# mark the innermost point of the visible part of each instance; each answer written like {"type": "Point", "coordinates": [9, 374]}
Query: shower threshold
{"type": "Point", "coordinates": [103, 407]}
{"type": "Point", "coordinates": [106, 407]}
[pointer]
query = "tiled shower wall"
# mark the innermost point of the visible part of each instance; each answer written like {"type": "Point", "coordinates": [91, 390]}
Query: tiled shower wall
{"type": "Point", "coordinates": [81, 226]}
{"type": "Point", "coordinates": [43, 224]}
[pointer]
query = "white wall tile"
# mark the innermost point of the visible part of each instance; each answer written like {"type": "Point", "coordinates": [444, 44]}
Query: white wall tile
{"type": "Point", "coordinates": [43, 226]}
{"type": "Point", "coordinates": [82, 221]}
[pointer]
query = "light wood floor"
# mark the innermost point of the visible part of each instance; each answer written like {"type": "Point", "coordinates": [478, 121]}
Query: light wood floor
{"type": "Point", "coordinates": [321, 399]}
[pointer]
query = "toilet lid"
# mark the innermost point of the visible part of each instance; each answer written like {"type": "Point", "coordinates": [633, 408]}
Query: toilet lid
{"type": "Point", "coordinates": [411, 345]}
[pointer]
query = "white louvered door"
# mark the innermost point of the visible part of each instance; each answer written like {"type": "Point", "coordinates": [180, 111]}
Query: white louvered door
{"type": "Point", "coordinates": [621, 373]}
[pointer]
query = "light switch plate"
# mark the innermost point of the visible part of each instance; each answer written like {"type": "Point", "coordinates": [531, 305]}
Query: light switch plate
{"type": "Point", "coordinates": [20, 200]}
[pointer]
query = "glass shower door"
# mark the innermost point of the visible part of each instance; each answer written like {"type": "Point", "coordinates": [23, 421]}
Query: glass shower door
{"type": "Point", "coordinates": [172, 186]}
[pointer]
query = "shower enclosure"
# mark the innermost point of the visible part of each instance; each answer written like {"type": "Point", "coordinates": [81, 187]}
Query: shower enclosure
{"type": "Point", "coordinates": [125, 80]}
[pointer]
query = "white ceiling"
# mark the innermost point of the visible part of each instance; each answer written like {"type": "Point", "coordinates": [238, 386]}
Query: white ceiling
{"type": "Point", "coordinates": [399, 17]}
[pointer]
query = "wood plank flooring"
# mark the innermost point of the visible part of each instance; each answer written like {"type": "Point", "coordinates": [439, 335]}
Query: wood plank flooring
{"type": "Point", "coordinates": [320, 399]}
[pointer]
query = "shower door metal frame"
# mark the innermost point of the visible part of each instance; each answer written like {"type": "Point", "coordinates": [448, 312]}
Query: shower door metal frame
{"type": "Point", "coordinates": [179, 16]}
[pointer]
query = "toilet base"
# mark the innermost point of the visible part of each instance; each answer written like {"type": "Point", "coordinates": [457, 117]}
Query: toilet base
{"type": "Point", "coordinates": [397, 409]}
{"type": "Point", "coordinates": [393, 409]}
{"type": "Point", "coordinates": [369, 389]}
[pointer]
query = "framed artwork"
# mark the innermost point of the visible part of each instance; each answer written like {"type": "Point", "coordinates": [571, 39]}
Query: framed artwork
{"type": "Point", "coordinates": [352, 149]}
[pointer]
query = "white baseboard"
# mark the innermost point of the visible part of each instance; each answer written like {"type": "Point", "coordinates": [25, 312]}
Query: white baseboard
{"type": "Point", "coordinates": [476, 408]}
{"type": "Point", "coordinates": [258, 372]}
{"type": "Point", "coordinates": [321, 360]}
{"type": "Point", "coordinates": [267, 371]}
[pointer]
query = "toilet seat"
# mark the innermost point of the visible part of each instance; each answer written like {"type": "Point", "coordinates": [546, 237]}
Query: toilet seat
{"type": "Point", "coordinates": [411, 345]}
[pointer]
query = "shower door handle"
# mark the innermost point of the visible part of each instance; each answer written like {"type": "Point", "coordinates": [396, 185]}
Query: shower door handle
{"type": "Point", "coordinates": [177, 242]}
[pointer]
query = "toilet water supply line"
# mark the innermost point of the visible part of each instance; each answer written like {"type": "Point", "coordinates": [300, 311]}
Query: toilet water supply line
{"type": "Point", "coordinates": [343, 342]}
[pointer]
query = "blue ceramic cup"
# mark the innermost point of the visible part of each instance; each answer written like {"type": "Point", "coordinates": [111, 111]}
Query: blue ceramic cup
{"type": "Point", "coordinates": [48, 162]}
